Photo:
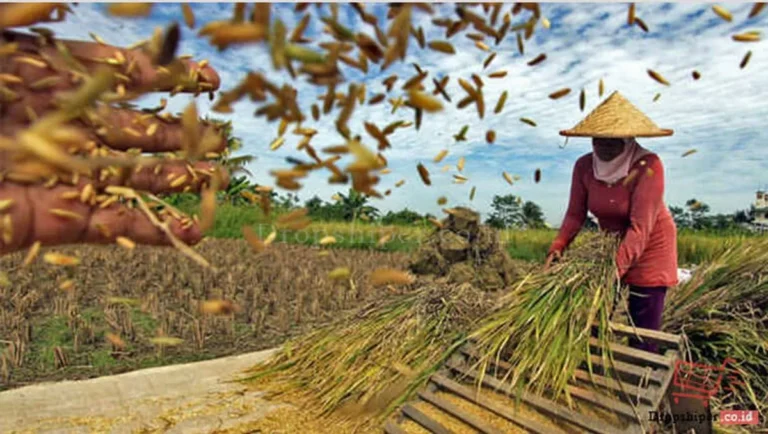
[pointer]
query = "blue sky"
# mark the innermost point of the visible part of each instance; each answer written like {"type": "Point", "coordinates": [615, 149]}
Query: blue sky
{"type": "Point", "coordinates": [722, 115]}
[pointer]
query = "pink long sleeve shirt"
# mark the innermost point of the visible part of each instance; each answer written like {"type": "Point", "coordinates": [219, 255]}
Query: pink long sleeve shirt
{"type": "Point", "coordinates": [633, 207]}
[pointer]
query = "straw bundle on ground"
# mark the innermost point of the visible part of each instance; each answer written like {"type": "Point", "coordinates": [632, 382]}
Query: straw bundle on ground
{"type": "Point", "coordinates": [372, 361]}
{"type": "Point", "coordinates": [723, 312]}
{"type": "Point", "coordinates": [465, 251]}
{"type": "Point", "coordinates": [544, 325]}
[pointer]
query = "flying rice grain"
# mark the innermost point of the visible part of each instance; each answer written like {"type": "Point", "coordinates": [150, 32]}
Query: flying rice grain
{"type": "Point", "coordinates": [114, 340]}
{"type": "Point", "coordinates": [7, 225]}
{"type": "Point", "coordinates": [277, 143]}
{"type": "Point", "coordinates": [582, 100]}
{"type": "Point", "coordinates": [631, 15]}
{"type": "Point", "coordinates": [538, 59]}
{"type": "Point", "coordinates": [528, 121]}
{"type": "Point", "coordinates": [439, 157]}
{"type": "Point", "coordinates": [252, 239]}
{"type": "Point", "coordinates": [67, 285]}
{"type": "Point", "coordinates": [67, 214]}
{"type": "Point", "coordinates": [390, 276]}
{"type": "Point", "coordinates": [490, 136]}
{"type": "Point", "coordinates": [500, 103]}
{"type": "Point", "coordinates": [640, 23]}
{"type": "Point", "coordinates": [6, 204]}
{"type": "Point", "coordinates": [31, 254]}
{"type": "Point", "coordinates": [125, 242]}
{"type": "Point", "coordinates": [656, 97]}
{"type": "Point", "coordinates": [520, 46]}
{"type": "Point", "coordinates": [472, 193]}
{"type": "Point", "coordinates": [163, 341]}
{"type": "Point", "coordinates": [537, 176]}
{"type": "Point", "coordinates": [488, 60]}
{"type": "Point", "coordinates": [658, 77]}
{"type": "Point", "coordinates": [341, 273]}
{"type": "Point", "coordinates": [60, 259]}
{"type": "Point", "coordinates": [559, 93]}
{"type": "Point", "coordinates": [498, 74]}
{"type": "Point", "coordinates": [459, 179]}
{"type": "Point", "coordinates": [270, 238]}
{"type": "Point", "coordinates": [327, 240]}
{"type": "Point", "coordinates": [425, 102]}
{"type": "Point", "coordinates": [507, 177]}
{"type": "Point", "coordinates": [696, 75]}
{"type": "Point", "coordinates": [722, 13]}
{"type": "Point", "coordinates": [747, 37]}
{"type": "Point", "coordinates": [189, 16]}
{"type": "Point", "coordinates": [745, 60]}
{"type": "Point", "coordinates": [129, 9]}
{"type": "Point", "coordinates": [630, 177]}
{"type": "Point", "coordinates": [689, 152]}
{"type": "Point", "coordinates": [424, 174]}
{"type": "Point", "coordinates": [756, 9]}
{"type": "Point", "coordinates": [600, 88]}
{"type": "Point", "coordinates": [400, 183]}
{"type": "Point", "coordinates": [460, 164]}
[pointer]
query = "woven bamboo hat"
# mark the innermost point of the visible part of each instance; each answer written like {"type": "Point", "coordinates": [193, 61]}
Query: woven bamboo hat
{"type": "Point", "coordinates": [616, 118]}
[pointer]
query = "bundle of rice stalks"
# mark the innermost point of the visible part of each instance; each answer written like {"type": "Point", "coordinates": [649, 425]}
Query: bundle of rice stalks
{"type": "Point", "coordinates": [375, 360]}
{"type": "Point", "coordinates": [723, 312]}
{"type": "Point", "coordinates": [544, 326]}
{"type": "Point", "coordinates": [465, 251]}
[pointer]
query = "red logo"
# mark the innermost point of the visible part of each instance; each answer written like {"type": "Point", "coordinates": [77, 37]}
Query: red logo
{"type": "Point", "coordinates": [701, 381]}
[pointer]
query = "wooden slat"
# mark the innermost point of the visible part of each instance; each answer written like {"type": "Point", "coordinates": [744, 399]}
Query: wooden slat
{"type": "Point", "coordinates": [630, 389]}
{"type": "Point", "coordinates": [633, 355]}
{"type": "Point", "coordinates": [620, 387]}
{"type": "Point", "coordinates": [672, 356]}
{"type": "Point", "coordinates": [608, 403]}
{"type": "Point", "coordinates": [424, 420]}
{"type": "Point", "coordinates": [661, 338]}
{"type": "Point", "coordinates": [458, 413]}
{"type": "Point", "coordinates": [515, 418]}
{"type": "Point", "coordinates": [628, 371]}
{"type": "Point", "coordinates": [544, 405]}
{"type": "Point", "coordinates": [392, 428]}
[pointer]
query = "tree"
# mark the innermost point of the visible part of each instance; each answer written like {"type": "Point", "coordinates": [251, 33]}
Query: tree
{"type": "Point", "coordinates": [679, 216]}
{"type": "Point", "coordinates": [697, 212]}
{"type": "Point", "coordinates": [533, 217]}
{"type": "Point", "coordinates": [235, 165]}
{"type": "Point", "coordinates": [402, 217]}
{"type": "Point", "coordinates": [506, 212]}
{"type": "Point", "coordinates": [355, 205]}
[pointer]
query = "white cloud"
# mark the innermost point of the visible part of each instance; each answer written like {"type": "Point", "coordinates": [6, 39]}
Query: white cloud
{"type": "Point", "coordinates": [721, 115]}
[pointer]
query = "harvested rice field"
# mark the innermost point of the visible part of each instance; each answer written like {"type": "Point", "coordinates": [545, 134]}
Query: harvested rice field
{"type": "Point", "coordinates": [98, 318]}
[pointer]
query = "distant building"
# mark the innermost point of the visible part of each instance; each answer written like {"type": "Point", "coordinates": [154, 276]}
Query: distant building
{"type": "Point", "coordinates": [761, 210]}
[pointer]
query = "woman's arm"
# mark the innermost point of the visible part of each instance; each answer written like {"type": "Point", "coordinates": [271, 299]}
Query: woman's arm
{"type": "Point", "coordinates": [577, 210]}
{"type": "Point", "coordinates": [645, 204]}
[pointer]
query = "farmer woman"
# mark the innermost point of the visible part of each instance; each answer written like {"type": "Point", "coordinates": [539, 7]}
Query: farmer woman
{"type": "Point", "coordinates": [622, 184]}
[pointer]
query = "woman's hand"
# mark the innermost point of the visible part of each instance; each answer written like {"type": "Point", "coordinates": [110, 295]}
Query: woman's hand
{"type": "Point", "coordinates": [552, 258]}
{"type": "Point", "coordinates": [40, 202]}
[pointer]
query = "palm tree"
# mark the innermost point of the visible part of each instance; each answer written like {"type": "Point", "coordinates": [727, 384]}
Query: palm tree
{"type": "Point", "coordinates": [354, 205]}
{"type": "Point", "coordinates": [234, 165]}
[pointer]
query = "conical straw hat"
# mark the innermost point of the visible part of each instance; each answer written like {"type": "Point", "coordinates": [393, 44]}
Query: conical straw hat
{"type": "Point", "coordinates": [616, 117]}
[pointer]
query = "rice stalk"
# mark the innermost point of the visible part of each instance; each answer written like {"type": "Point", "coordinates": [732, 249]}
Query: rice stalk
{"type": "Point", "coordinates": [353, 362]}
{"type": "Point", "coordinates": [544, 325]}
{"type": "Point", "coordinates": [723, 313]}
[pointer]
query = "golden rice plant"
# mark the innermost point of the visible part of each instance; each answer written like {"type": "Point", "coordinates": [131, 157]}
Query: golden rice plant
{"type": "Point", "coordinates": [357, 360]}
{"type": "Point", "coordinates": [723, 312]}
{"type": "Point", "coordinates": [543, 327]}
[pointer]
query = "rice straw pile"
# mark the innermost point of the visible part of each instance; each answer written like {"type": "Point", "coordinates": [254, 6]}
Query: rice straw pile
{"type": "Point", "coordinates": [373, 361]}
{"type": "Point", "coordinates": [723, 312]}
{"type": "Point", "coordinates": [543, 328]}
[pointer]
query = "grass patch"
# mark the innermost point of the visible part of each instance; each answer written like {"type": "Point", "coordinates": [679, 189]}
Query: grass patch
{"type": "Point", "coordinates": [693, 247]}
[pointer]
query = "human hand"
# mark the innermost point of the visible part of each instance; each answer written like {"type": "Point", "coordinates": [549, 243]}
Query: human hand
{"type": "Point", "coordinates": [52, 190]}
{"type": "Point", "coordinates": [552, 258]}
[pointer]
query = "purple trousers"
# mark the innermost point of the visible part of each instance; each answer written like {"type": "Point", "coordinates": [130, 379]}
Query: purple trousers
{"type": "Point", "coordinates": [646, 306]}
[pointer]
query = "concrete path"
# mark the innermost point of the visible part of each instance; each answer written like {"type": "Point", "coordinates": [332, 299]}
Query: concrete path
{"type": "Point", "coordinates": [191, 398]}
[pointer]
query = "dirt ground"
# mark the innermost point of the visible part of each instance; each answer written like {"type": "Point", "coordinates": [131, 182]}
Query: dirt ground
{"type": "Point", "coordinates": [52, 329]}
